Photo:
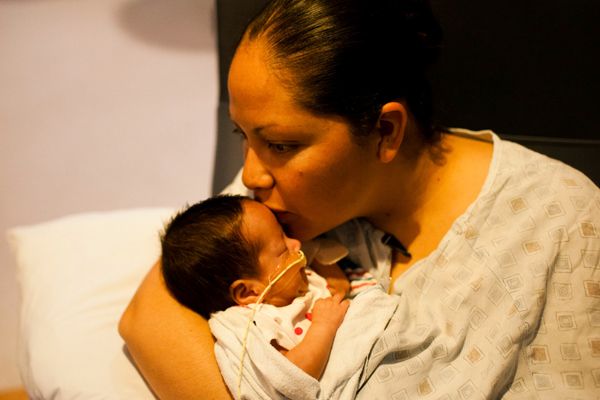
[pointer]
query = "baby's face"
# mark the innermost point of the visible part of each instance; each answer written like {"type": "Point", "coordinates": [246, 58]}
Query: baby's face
{"type": "Point", "coordinates": [277, 251]}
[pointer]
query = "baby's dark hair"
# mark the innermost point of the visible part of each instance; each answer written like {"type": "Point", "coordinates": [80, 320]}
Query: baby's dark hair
{"type": "Point", "coordinates": [204, 250]}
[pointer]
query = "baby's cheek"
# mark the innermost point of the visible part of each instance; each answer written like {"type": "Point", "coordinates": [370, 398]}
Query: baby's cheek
{"type": "Point", "coordinates": [304, 287]}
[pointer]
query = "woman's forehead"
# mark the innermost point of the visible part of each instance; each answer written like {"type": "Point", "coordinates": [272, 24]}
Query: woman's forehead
{"type": "Point", "coordinates": [249, 75]}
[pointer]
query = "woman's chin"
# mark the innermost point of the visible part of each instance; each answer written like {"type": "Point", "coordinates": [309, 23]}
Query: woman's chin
{"type": "Point", "coordinates": [299, 231]}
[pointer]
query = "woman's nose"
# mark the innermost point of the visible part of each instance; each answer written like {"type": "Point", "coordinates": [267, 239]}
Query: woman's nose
{"type": "Point", "coordinates": [255, 176]}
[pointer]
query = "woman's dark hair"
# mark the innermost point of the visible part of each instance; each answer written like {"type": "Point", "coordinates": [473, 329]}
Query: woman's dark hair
{"type": "Point", "coordinates": [204, 251]}
{"type": "Point", "coordinates": [350, 57]}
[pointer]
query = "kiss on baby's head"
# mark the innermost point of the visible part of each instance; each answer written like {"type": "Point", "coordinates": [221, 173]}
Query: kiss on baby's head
{"type": "Point", "coordinates": [222, 252]}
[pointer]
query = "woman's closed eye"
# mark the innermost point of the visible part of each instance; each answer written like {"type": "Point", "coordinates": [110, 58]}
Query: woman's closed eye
{"type": "Point", "coordinates": [279, 148]}
{"type": "Point", "coordinates": [282, 148]}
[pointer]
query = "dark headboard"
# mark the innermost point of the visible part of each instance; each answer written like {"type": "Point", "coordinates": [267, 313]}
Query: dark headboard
{"type": "Point", "coordinates": [232, 16]}
{"type": "Point", "coordinates": [527, 70]}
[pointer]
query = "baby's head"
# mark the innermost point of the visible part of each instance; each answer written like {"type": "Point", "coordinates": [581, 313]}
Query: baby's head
{"type": "Point", "coordinates": [222, 251]}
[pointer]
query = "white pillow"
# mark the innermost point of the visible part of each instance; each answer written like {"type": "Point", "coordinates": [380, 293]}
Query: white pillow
{"type": "Point", "coordinates": [77, 275]}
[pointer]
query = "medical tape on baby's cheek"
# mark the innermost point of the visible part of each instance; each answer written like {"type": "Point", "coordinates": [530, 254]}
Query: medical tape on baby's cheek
{"type": "Point", "coordinates": [297, 260]}
{"type": "Point", "coordinates": [281, 277]}
{"type": "Point", "coordinates": [286, 272]}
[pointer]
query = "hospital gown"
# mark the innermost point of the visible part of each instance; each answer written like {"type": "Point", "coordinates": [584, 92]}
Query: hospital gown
{"type": "Point", "coordinates": [508, 305]}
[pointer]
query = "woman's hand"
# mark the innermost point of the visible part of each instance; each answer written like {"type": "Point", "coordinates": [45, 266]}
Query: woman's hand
{"type": "Point", "coordinates": [338, 286]}
{"type": "Point", "coordinates": [337, 281]}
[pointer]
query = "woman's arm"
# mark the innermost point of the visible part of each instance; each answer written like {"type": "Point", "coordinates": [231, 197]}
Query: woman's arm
{"type": "Point", "coordinates": [171, 345]}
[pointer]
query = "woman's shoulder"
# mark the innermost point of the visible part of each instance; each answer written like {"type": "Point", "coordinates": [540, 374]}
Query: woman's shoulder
{"type": "Point", "coordinates": [526, 178]}
{"type": "Point", "coordinates": [528, 192]}
{"type": "Point", "coordinates": [510, 157]}
{"type": "Point", "coordinates": [535, 208]}
{"type": "Point", "coordinates": [522, 165]}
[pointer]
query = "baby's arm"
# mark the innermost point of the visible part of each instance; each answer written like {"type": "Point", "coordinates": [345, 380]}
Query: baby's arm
{"type": "Point", "coordinates": [311, 354]}
{"type": "Point", "coordinates": [337, 281]}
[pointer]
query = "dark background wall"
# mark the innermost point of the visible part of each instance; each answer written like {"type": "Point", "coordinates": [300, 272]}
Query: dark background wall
{"type": "Point", "coordinates": [526, 69]}
{"type": "Point", "coordinates": [519, 67]}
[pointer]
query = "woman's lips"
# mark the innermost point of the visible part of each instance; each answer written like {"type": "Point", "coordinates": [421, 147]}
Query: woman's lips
{"type": "Point", "coordinates": [280, 214]}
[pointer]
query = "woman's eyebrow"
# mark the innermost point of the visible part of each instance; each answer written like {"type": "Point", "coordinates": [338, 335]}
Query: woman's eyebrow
{"type": "Point", "coordinates": [257, 130]}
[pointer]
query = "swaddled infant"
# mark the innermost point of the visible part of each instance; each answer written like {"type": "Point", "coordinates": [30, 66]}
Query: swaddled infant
{"type": "Point", "coordinates": [225, 251]}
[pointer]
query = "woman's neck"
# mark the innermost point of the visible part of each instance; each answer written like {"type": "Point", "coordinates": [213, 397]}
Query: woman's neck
{"type": "Point", "coordinates": [405, 191]}
{"type": "Point", "coordinates": [420, 198]}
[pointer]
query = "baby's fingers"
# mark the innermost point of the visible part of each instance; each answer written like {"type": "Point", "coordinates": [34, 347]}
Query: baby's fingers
{"type": "Point", "coordinates": [338, 297]}
{"type": "Point", "coordinates": [345, 304]}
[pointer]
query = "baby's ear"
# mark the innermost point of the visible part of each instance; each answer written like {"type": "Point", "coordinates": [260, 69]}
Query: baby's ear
{"type": "Point", "coordinates": [245, 291]}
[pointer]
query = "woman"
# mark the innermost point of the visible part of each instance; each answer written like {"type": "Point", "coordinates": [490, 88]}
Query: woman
{"type": "Point", "coordinates": [503, 296]}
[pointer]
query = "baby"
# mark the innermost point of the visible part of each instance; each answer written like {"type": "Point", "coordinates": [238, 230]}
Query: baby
{"type": "Point", "coordinates": [225, 251]}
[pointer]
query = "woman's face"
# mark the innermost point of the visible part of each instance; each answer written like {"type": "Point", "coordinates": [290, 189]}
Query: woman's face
{"type": "Point", "coordinates": [306, 168]}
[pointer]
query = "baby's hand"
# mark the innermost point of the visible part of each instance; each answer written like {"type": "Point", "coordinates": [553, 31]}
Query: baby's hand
{"type": "Point", "coordinates": [330, 311]}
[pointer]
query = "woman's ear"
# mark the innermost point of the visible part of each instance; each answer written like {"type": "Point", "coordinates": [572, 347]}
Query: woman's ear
{"type": "Point", "coordinates": [246, 291]}
{"type": "Point", "coordinates": [391, 126]}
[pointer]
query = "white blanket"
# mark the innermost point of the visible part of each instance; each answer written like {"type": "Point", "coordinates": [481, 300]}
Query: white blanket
{"type": "Point", "coordinates": [267, 374]}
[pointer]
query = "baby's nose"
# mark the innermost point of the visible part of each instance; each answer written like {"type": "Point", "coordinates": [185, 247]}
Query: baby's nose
{"type": "Point", "coordinates": [294, 245]}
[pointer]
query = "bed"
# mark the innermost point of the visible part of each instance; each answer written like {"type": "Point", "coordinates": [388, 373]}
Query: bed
{"type": "Point", "coordinates": [78, 273]}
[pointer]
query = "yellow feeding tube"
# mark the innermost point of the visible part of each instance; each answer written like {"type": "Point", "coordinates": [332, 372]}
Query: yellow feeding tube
{"type": "Point", "coordinates": [278, 280]}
